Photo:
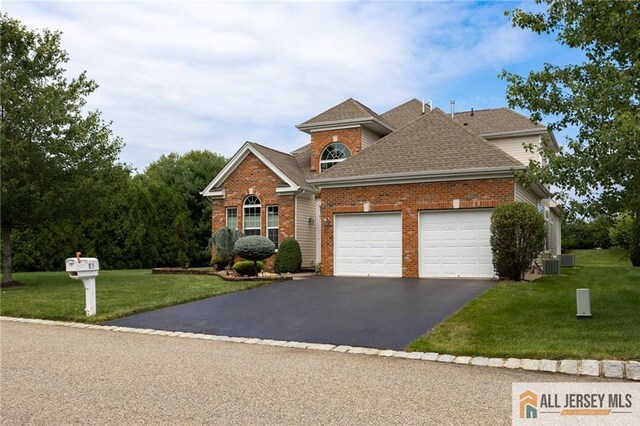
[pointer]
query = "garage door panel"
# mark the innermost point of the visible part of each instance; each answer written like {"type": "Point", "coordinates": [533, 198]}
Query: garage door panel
{"type": "Point", "coordinates": [455, 244]}
{"type": "Point", "coordinates": [368, 245]}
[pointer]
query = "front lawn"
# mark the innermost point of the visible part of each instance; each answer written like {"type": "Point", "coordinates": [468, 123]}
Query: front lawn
{"type": "Point", "coordinates": [53, 295]}
{"type": "Point", "coordinates": [538, 320]}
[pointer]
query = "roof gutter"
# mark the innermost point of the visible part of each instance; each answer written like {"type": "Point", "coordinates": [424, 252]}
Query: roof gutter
{"type": "Point", "coordinates": [327, 125]}
{"type": "Point", "coordinates": [416, 177]}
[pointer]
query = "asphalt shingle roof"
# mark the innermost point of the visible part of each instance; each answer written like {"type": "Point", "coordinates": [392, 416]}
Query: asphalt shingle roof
{"type": "Point", "coordinates": [403, 114]}
{"type": "Point", "coordinates": [347, 110]}
{"type": "Point", "coordinates": [286, 163]}
{"type": "Point", "coordinates": [496, 120]}
{"type": "Point", "coordinates": [433, 142]}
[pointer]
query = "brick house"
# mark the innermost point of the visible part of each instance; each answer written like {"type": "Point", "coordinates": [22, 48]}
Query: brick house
{"type": "Point", "coordinates": [405, 193]}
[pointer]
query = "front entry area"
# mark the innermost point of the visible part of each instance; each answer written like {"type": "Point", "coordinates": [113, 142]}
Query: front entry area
{"type": "Point", "coordinates": [368, 244]}
{"type": "Point", "coordinates": [455, 243]}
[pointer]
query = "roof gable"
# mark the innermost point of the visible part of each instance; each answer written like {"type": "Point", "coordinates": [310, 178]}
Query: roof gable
{"type": "Point", "coordinates": [433, 142]}
{"type": "Point", "coordinates": [347, 110]}
{"type": "Point", "coordinates": [283, 165]}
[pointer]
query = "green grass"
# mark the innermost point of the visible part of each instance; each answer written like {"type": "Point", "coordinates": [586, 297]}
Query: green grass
{"type": "Point", "coordinates": [538, 319]}
{"type": "Point", "coordinates": [53, 295]}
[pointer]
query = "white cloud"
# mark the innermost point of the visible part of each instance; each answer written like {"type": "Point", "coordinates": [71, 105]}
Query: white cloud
{"type": "Point", "coordinates": [176, 76]}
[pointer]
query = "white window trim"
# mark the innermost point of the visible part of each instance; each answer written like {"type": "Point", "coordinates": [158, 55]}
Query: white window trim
{"type": "Point", "coordinates": [249, 206]}
{"type": "Point", "coordinates": [273, 227]}
{"type": "Point", "coordinates": [226, 212]}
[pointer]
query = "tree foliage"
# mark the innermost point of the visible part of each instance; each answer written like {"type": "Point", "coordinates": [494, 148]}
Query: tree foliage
{"type": "Point", "coordinates": [56, 159]}
{"type": "Point", "coordinates": [517, 237]}
{"type": "Point", "coordinates": [224, 241]}
{"type": "Point", "coordinates": [62, 187]}
{"type": "Point", "coordinates": [600, 96]}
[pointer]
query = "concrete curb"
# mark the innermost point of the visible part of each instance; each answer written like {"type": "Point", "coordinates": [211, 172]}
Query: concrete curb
{"type": "Point", "coordinates": [629, 370]}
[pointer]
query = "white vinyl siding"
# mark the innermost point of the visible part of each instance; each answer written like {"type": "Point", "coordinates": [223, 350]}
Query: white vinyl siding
{"type": "Point", "coordinates": [514, 147]}
{"type": "Point", "coordinates": [368, 244]}
{"type": "Point", "coordinates": [525, 196]}
{"type": "Point", "coordinates": [306, 229]}
{"type": "Point", "coordinates": [455, 243]}
{"type": "Point", "coordinates": [368, 138]}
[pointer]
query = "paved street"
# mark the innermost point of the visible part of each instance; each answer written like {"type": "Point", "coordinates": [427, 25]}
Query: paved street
{"type": "Point", "coordinates": [54, 375]}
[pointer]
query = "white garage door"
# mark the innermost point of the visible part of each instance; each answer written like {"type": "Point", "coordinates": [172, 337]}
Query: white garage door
{"type": "Point", "coordinates": [455, 244]}
{"type": "Point", "coordinates": [368, 244]}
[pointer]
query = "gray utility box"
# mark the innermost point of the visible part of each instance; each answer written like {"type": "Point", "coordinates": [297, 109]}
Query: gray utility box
{"type": "Point", "coordinates": [551, 266]}
{"type": "Point", "coordinates": [583, 302]}
{"type": "Point", "coordinates": [568, 260]}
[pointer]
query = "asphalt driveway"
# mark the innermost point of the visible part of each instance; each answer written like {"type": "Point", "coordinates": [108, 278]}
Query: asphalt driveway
{"type": "Point", "coordinates": [384, 313]}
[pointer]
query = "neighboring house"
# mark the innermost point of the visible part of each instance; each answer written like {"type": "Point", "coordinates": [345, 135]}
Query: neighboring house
{"type": "Point", "coordinates": [405, 193]}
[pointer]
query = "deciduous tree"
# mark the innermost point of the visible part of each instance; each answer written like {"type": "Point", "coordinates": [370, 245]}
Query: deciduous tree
{"type": "Point", "coordinates": [55, 156]}
{"type": "Point", "coordinates": [600, 96]}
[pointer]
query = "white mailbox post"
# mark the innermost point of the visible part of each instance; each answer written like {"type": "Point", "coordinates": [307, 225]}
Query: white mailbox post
{"type": "Point", "coordinates": [85, 269]}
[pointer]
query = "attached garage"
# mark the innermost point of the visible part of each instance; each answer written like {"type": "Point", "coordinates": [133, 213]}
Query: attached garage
{"type": "Point", "coordinates": [455, 243]}
{"type": "Point", "coordinates": [368, 244]}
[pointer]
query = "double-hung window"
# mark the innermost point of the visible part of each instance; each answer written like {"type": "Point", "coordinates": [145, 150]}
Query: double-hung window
{"type": "Point", "coordinates": [251, 215]}
{"type": "Point", "coordinates": [273, 222]}
{"type": "Point", "coordinates": [232, 217]}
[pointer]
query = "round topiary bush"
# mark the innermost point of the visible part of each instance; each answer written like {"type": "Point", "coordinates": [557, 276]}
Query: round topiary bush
{"type": "Point", "coordinates": [246, 267]}
{"type": "Point", "coordinates": [254, 248]}
{"type": "Point", "coordinates": [289, 257]}
{"type": "Point", "coordinates": [517, 237]}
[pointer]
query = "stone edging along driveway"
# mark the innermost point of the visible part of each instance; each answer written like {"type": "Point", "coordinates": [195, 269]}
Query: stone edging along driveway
{"type": "Point", "coordinates": [629, 370]}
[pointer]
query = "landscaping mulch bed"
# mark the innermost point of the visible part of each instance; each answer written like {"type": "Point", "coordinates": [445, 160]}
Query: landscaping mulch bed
{"type": "Point", "coordinates": [223, 275]}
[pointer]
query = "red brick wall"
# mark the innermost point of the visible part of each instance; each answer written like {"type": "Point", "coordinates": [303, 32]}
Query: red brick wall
{"type": "Point", "coordinates": [352, 138]}
{"type": "Point", "coordinates": [253, 175]}
{"type": "Point", "coordinates": [408, 199]}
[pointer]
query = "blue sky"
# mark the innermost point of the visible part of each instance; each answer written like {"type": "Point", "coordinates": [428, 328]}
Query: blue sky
{"type": "Point", "coordinates": [177, 76]}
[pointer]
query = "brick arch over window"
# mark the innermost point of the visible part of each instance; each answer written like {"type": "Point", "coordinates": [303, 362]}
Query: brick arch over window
{"type": "Point", "coordinates": [251, 215]}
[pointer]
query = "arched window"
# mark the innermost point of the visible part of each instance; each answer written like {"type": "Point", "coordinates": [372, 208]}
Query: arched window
{"type": "Point", "coordinates": [251, 216]}
{"type": "Point", "coordinates": [333, 154]}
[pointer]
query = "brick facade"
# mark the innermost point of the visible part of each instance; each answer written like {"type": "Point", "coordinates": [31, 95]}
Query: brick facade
{"type": "Point", "coordinates": [352, 138]}
{"type": "Point", "coordinates": [254, 177]}
{"type": "Point", "coordinates": [408, 199]}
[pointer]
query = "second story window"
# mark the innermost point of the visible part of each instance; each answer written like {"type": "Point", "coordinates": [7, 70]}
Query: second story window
{"type": "Point", "coordinates": [333, 154]}
{"type": "Point", "coordinates": [251, 215]}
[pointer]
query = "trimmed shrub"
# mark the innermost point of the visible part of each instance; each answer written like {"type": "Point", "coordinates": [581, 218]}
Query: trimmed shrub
{"type": "Point", "coordinates": [220, 263]}
{"type": "Point", "coordinates": [254, 248]}
{"type": "Point", "coordinates": [246, 267]}
{"type": "Point", "coordinates": [517, 237]}
{"type": "Point", "coordinates": [634, 241]}
{"type": "Point", "coordinates": [289, 257]}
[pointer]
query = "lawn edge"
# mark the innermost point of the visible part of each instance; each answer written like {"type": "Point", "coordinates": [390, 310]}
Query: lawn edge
{"type": "Point", "coordinates": [629, 370]}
